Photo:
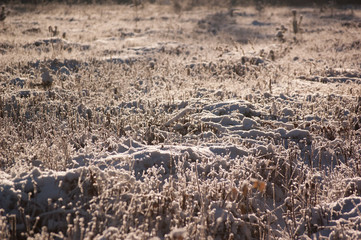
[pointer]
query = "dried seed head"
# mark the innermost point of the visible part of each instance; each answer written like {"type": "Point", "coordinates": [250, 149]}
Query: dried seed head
{"type": "Point", "coordinates": [233, 194]}
{"type": "Point", "coordinates": [245, 190]}
{"type": "Point", "coordinates": [259, 185]}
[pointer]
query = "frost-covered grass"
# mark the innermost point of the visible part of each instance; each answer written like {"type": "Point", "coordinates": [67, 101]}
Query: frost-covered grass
{"type": "Point", "coordinates": [174, 123]}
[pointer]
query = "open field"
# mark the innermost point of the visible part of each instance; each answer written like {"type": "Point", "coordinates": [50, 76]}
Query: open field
{"type": "Point", "coordinates": [180, 122]}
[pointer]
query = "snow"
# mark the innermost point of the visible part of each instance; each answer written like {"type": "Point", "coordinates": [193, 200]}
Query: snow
{"type": "Point", "coordinates": [179, 115]}
{"type": "Point", "coordinates": [298, 134]}
{"type": "Point", "coordinates": [248, 123]}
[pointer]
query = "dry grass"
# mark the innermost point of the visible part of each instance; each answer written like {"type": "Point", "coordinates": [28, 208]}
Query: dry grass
{"type": "Point", "coordinates": [179, 123]}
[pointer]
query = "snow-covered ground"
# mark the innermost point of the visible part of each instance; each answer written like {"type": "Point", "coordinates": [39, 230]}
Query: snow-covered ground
{"type": "Point", "coordinates": [160, 122]}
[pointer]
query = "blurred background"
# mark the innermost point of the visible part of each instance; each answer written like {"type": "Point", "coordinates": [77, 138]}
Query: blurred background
{"type": "Point", "coordinates": [195, 2]}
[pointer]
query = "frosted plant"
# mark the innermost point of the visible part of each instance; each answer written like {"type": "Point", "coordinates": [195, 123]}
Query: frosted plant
{"type": "Point", "coordinates": [46, 79]}
{"type": "Point", "coordinates": [296, 24]}
{"type": "Point", "coordinates": [280, 33]}
{"type": "Point", "coordinates": [271, 55]}
{"type": "Point", "coordinates": [2, 13]}
{"type": "Point", "coordinates": [177, 7]}
{"type": "Point", "coordinates": [54, 32]}
{"type": "Point", "coordinates": [260, 5]}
